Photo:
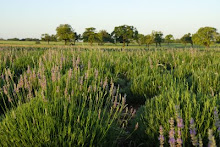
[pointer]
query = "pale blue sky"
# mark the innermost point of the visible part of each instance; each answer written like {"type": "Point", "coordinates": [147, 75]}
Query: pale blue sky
{"type": "Point", "coordinates": [31, 18]}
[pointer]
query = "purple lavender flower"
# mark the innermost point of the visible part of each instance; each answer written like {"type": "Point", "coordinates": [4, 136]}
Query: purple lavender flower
{"type": "Point", "coordinates": [217, 121]}
{"type": "Point", "coordinates": [212, 142]}
{"type": "Point", "coordinates": [180, 126]}
{"type": "Point", "coordinates": [193, 132]}
{"type": "Point", "coordinates": [161, 137]}
{"type": "Point", "coordinates": [172, 140]}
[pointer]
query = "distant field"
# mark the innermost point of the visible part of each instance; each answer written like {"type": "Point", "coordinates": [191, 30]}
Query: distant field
{"type": "Point", "coordinates": [43, 43]}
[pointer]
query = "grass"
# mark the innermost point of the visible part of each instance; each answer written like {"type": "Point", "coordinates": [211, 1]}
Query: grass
{"type": "Point", "coordinates": [101, 95]}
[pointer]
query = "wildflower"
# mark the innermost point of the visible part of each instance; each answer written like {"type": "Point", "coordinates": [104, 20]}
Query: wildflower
{"type": "Point", "coordinates": [150, 62]}
{"type": "Point", "coordinates": [58, 89]}
{"type": "Point", "coordinates": [115, 102]}
{"type": "Point", "coordinates": [96, 73]}
{"type": "Point", "coordinates": [77, 60]}
{"type": "Point", "coordinates": [136, 126]}
{"type": "Point", "coordinates": [161, 137]}
{"type": "Point", "coordinates": [53, 75]}
{"type": "Point", "coordinates": [66, 91]}
{"type": "Point", "coordinates": [99, 115]}
{"type": "Point", "coordinates": [89, 64]}
{"type": "Point", "coordinates": [94, 88]}
{"type": "Point", "coordinates": [200, 141]}
{"type": "Point", "coordinates": [212, 142]}
{"type": "Point", "coordinates": [124, 100]}
{"type": "Point", "coordinates": [74, 62]}
{"type": "Point", "coordinates": [72, 92]}
{"type": "Point", "coordinates": [114, 91]}
{"type": "Point", "coordinates": [86, 75]}
{"type": "Point", "coordinates": [105, 83]}
{"type": "Point", "coordinates": [43, 83]}
{"type": "Point", "coordinates": [180, 126]}
{"type": "Point", "coordinates": [217, 121]}
{"type": "Point", "coordinates": [69, 73]}
{"type": "Point", "coordinates": [5, 90]}
{"type": "Point", "coordinates": [193, 132]}
{"type": "Point", "coordinates": [133, 113]}
{"type": "Point", "coordinates": [172, 133]}
{"type": "Point", "coordinates": [2, 76]}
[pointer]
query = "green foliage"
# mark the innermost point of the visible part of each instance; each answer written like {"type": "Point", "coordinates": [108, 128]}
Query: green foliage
{"type": "Point", "coordinates": [169, 38]}
{"type": "Point", "coordinates": [149, 39]}
{"type": "Point", "coordinates": [89, 35]}
{"type": "Point", "coordinates": [125, 34]}
{"type": "Point", "coordinates": [46, 37]}
{"type": "Point", "coordinates": [205, 36]}
{"type": "Point", "coordinates": [158, 37]}
{"type": "Point", "coordinates": [140, 39]}
{"type": "Point", "coordinates": [218, 39]}
{"type": "Point", "coordinates": [187, 38]}
{"type": "Point", "coordinates": [65, 32]}
{"type": "Point", "coordinates": [104, 37]}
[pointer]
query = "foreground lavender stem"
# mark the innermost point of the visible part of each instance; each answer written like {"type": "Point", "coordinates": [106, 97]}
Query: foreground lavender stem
{"type": "Point", "coordinates": [180, 127]}
{"type": "Point", "coordinates": [172, 140]}
{"type": "Point", "coordinates": [217, 121]}
{"type": "Point", "coordinates": [200, 141]}
{"type": "Point", "coordinates": [212, 142]}
{"type": "Point", "coordinates": [161, 137]}
{"type": "Point", "coordinates": [193, 133]}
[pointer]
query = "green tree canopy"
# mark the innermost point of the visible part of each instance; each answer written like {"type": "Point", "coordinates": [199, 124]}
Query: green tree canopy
{"type": "Point", "coordinates": [218, 38]}
{"type": "Point", "coordinates": [169, 38]}
{"type": "Point", "coordinates": [53, 38]}
{"type": "Point", "coordinates": [187, 38]}
{"type": "Point", "coordinates": [103, 37]}
{"type": "Point", "coordinates": [140, 39]}
{"type": "Point", "coordinates": [205, 36]}
{"type": "Point", "coordinates": [89, 35]}
{"type": "Point", "coordinates": [46, 37]}
{"type": "Point", "coordinates": [65, 32]}
{"type": "Point", "coordinates": [125, 34]}
{"type": "Point", "coordinates": [158, 37]}
{"type": "Point", "coordinates": [149, 39]}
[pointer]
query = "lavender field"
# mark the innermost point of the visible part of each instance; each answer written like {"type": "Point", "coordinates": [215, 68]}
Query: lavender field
{"type": "Point", "coordinates": [74, 96]}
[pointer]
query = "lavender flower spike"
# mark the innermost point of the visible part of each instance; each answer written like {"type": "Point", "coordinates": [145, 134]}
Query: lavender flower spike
{"type": "Point", "coordinates": [212, 142]}
{"type": "Point", "coordinates": [172, 140]}
{"type": "Point", "coordinates": [193, 133]}
{"type": "Point", "coordinates": [161, 137]}
{"type": "Point", "coordinates": [217, 121]}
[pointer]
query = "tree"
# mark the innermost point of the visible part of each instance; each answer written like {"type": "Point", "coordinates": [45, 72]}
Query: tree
{"type": "Point", "coordinates": [169, 38]}
{"type": "Point", "coordinates": [125, 34]}
{"type": "Point", "coordinates": [65, 32]}
{"type": "Point", "coordinates": [205, 36]}
{"type": "Point", "coordinates": [149, 39]}
{"type": "Point", "coordinates": [218, 38]}
{"type": "Point", "coordinates": [103, 37]}
{"type": "Point", "coordinates": [53, 38]}
{"type": "Point", "coordinates": [46, 37]}
{"type": "Point", "coordinates": [140, 39]}
{"type": "Point", "coordinates": [89, 35]}
{"type": "Point", "coordinates": [158, 37]}
{"type": "Point", "coordinates": [187, 38]}
{"type": "Point", "coordinates": [13, 39]}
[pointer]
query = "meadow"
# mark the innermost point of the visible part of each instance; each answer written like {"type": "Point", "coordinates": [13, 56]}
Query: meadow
{"type": "Point", "coordinates": [54, 95]}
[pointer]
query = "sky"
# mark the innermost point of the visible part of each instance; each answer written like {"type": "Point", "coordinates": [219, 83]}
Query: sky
{"type": "Point", "coordinates": [31, 18]}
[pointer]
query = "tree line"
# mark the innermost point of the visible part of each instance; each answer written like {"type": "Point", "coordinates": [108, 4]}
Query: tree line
{"type": "Point", "coordinates": [126, 34]}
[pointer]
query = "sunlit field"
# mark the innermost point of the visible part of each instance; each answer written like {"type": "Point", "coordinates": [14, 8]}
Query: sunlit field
{"type": "Point", "coordinates": [54, 95]}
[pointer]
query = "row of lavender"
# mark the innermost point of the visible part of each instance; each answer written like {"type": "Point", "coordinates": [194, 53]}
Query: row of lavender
{"type": "Point", "coordinates": [196, 139]}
